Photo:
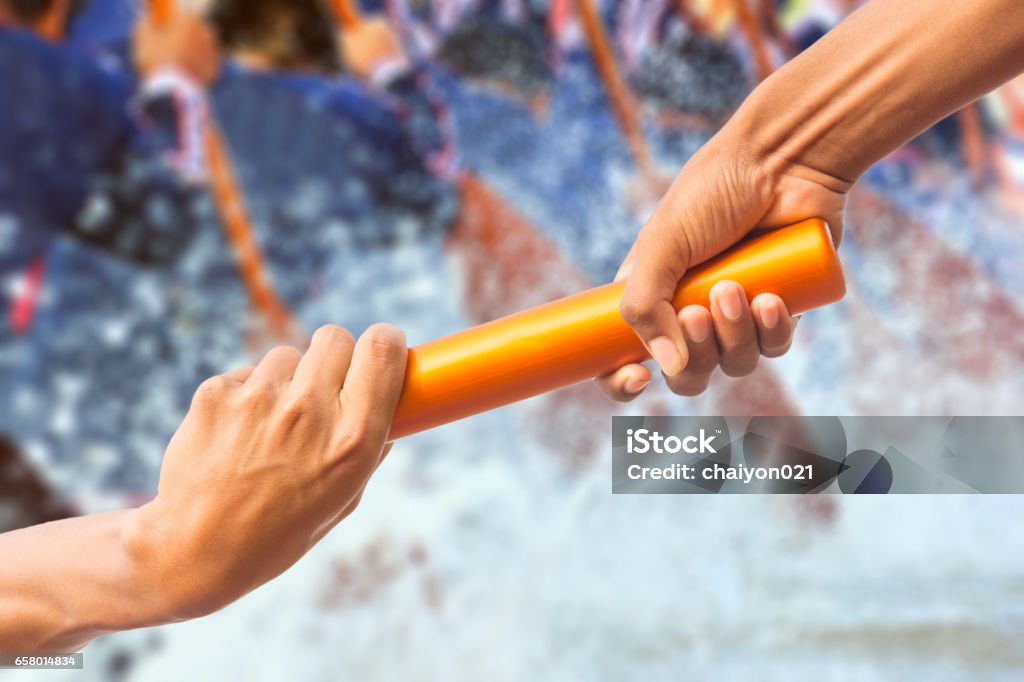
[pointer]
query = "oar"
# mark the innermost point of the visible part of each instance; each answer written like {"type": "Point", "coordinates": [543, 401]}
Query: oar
{"type": "Point", "coordinates": [579, 337]}
{"type": "Point", "coordinates": [509, 262]}
{"type": "Point", "coordinates": [624, 105]}
{"type": "Point", "coordinates": [584, 336]}
{"type": "Point", "coordinates": [346, 12]}
{"type": "Point", "coordinates": [751, 26]}
{"type": "Point", "coordinates": [231, 206]}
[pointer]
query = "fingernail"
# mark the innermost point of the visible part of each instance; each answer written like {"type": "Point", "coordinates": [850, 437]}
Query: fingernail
{"type": "Point", "coordinates": [697, 327]}
{"type": "Point", "coordinates": [624, 271]}
{"type": "Point", "coordinates": [730, 301]}
{"type": "Point", "coordinates": [634, 385]}
{"type": "Point", "coordinates": [770, 315]}
{"type": "Point", "coordinates": [666, 355]}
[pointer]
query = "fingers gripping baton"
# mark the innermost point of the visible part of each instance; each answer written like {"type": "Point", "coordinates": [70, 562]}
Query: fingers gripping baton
{"type": "Point", "coordinates": [583, 336]}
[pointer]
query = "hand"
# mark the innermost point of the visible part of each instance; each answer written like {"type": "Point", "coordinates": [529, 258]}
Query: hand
{"type": "Point", "coordinates": [369, 45]}
{"type": "Point", "coordinates": [720, 196]}
{"type": "Point", "coordinates": [267, 461]}
{"type": "Point", "coordinates": [184, 41]}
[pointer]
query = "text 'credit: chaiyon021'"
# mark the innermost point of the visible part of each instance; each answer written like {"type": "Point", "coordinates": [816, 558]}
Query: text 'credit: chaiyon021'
{"type": "Point", "coordinates": [851, 455]}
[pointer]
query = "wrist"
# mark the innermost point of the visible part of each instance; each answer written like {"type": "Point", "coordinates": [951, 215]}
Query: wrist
{"type": "Point", "coordinates": [104, 587]}
{"type": "Point", "coordinates": [778, 143]}
{"type": "Point", "coordinates": [172, 581]}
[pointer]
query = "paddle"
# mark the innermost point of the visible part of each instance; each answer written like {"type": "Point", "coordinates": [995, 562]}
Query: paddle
{"type": "Point", "coordinates": [509, 262]}
{"type": "Point", "coordinates": [624, 105]}
{"type": "Point", "coordinates": [231, 206]}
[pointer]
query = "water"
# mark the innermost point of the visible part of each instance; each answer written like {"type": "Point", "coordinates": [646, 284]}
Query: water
{"type": "Point", "coordinates": [484, 551]}
{"type": "Point", "coordinates": [481, 551]}
{"type": "Point", "coordinates": [504, 567]}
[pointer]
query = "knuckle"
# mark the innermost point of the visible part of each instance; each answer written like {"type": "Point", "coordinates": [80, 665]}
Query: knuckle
{"type": "Point", "coordinates": [301, 405]}
{"type": "Point", "coordinates": [774, 350]}
{"type": "Point", "coordinates": [614, 392]}
{"type": "Point", "coordinates": [284, 353]}
{"type": "Point", "coordinates": [637, 312]}
{"type": "Point", "coordinates": [702, 363]}
{"type": "Point", "coordinates": [774, 338]}
{"type": "Point", "coordinates": [215, 384]}
{"type": "Point", "coordinates": [333, 335]}
{"type": "Point", "coordinates": [211, 391]}
{"type": "Point", "coordinates": [385, 344]}
{"type": "Point", "coordinates": [690, 383]}
{"type": "Point", "coordinates": [740, 365]}
{"type": "Point", "coordinates": [351, 437]}
{"type": "Point", "coordinates": [257, 396]}
{"type": "Point", "coordinates": [692, 388]}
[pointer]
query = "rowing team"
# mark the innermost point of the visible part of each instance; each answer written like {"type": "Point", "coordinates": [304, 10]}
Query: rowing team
{"type": "Point", "coordinates": [350, 145]}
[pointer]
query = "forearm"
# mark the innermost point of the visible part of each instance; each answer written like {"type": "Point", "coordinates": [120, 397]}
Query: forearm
{"type": "Point", "coordinates": [888, 72]}
{"type": "Point", "coordinates": [64, 583]}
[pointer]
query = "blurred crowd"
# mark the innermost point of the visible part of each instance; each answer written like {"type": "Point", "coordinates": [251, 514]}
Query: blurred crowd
{"type": "Point", "coordinates": [180, 189]}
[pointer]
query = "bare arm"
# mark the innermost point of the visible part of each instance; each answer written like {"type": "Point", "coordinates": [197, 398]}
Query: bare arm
{"type": "Point", "coordinates": [792, 151]}
{"type": "Point", "coordinates": [267, 461]}
{"type": "Point", "coordinates": [881, 77]}
{"type": "Point", "coordinates": [67, 582]}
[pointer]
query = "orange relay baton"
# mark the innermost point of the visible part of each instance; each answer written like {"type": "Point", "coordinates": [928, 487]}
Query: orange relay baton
{"type": "Point", "coordinates": [584, 336]}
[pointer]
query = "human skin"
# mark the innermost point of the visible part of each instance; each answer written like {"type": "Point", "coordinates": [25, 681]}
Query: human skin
{"type": "Point", "coordinates": [52, 25]}
{"type": "Point", "coordinates": [792, 151]}
{"type": "Point", "coordinates": [267, 461]}
{"type": "Point", "coordinates": [184, 42]}
{"type": "Point", "coordinates": [370, 45]}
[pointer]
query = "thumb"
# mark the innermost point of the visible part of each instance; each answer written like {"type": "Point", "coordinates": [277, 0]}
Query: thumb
{"type": "Point", "coordinates": [712, 204]}
{"type": "Point", "coordinates": [660, 258]}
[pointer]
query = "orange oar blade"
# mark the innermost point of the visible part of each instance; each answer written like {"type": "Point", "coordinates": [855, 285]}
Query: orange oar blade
{"type": "Point", "coordinates": [509, 263]}
{"type": "Point", "coordinates": [230, 201]}
{"type": "Point", "coordinates": [163, 10]}
{"type": "Point", "coordinates": [584, 336]}
{"type": "Point", "coordinates": [624, 106]}
{"type": "Point", "coordinates": [346, 12]}
{"type": "Point", "coordinates": [233, 213]}
{"type": "Point", "coordinates": [751, 26]}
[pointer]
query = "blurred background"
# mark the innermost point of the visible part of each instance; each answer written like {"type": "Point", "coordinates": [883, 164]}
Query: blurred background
{"type": "Point", "coordinates": [439, 164]}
